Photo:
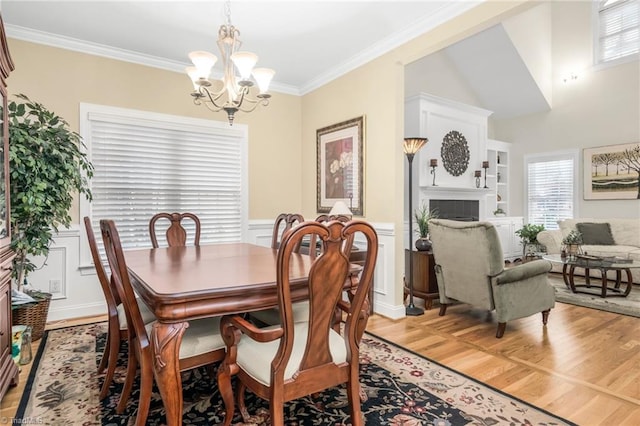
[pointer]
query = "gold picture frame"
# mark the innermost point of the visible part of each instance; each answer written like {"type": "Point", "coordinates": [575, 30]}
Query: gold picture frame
{"type": "Point", "coordinates": [612, 172]}
{"type": "Point", "coordinates": [340, 165]}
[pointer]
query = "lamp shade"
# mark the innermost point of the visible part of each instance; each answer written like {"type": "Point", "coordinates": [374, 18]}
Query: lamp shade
{"type": "Point", "coordinates": [203, 61]}
{"type": "Point", "coordinates": [413, 145]}
{"type": "Point", "coordinates": [340, 209]}
{"type": "Point", "coordinates": [263, 77]}
{"type": "Point", "coordinates": [244, 62]}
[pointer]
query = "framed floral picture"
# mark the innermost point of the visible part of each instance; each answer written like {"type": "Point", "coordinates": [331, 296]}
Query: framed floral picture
{"type": "Point", "coordinates": [340, 165]}
{"type": "Point", "coordinates": [612, 172]}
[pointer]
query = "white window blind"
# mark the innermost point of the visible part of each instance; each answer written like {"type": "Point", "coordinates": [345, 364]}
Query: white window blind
{"type": "Point", "coordinates": [618, 29]}
{"type": "Point", "coordinates": [550, 190]}
{"type": "Point", "coordinates": [147, 163]}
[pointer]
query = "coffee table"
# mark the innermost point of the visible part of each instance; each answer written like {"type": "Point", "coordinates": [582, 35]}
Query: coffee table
{"type": "Point", "coordinates": [569, 265]}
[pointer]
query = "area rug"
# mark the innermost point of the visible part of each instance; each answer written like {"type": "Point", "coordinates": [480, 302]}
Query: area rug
{"type": "Point", "coordinates": [402, 387]}
{"type": "Point", "coordinates": [629, 305]}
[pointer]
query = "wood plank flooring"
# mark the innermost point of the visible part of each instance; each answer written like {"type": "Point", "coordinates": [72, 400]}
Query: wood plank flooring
{"type": "Point", "coordinates": [583, 366]}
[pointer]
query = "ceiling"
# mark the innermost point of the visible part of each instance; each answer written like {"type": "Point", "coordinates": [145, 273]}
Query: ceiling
{"type": "Point", "coordinates": [307, 42]}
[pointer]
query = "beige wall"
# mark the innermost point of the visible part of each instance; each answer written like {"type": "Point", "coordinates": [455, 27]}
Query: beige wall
{"type": "Point", "coordinates": [376, 90]}
{"type": "Point", "coordinates": [600, 108]}
{"type": "Point", "coordinates": [62, 79]}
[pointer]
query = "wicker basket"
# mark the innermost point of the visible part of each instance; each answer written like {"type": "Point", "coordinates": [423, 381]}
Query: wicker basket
{"type": "Point", "coordinates": [33, 315]}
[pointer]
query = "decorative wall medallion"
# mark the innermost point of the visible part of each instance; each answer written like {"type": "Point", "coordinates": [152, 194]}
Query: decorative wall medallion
{"type": "Point", "coordinates": [455, 153]}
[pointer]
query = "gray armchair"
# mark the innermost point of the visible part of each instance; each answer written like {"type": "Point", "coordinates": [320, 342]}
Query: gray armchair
{"type": "Point", "coordinates": [470, 269]}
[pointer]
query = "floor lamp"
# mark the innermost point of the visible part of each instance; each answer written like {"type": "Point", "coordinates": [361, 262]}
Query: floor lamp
{"type": "Point", "coordinates": [411, 146]}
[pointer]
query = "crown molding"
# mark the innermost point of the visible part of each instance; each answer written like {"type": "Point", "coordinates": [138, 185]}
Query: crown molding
{"type": "Point", "coordinates": [69, 43]}
{"type": "Point", "coordinates": [447, 12]}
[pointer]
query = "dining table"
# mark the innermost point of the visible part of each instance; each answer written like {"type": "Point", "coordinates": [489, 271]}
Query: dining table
{"type": "Point", "coordinates": [180, 284]}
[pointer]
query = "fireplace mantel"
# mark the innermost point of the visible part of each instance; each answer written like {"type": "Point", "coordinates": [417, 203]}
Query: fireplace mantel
{"type": "Point", "coordinates": [476, 192]}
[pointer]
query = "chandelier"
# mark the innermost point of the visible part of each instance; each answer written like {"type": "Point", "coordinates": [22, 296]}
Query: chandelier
{"type": "Point", "coordinates": [231, 93]}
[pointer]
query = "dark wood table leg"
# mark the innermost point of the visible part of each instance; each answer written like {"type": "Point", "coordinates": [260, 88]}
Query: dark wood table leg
{"type": "Point", "coordinates": [604, 282]}
{"type": "Point", "coordinates": [165, 340]}
{"type": "Point", "coordinates": [629, 281]}
{"type": "Point", "coordinates": [618, 277]}
{"type": "Point", "coordinates": [572, 284]}
{"type": "Point", "coordinates": [565, 276]}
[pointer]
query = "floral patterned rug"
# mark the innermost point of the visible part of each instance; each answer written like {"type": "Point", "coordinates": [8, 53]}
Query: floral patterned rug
{"type": "Point", "coordinates": [403, 388]}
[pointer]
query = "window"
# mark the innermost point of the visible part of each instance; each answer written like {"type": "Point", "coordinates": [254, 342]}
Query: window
{"type": "Point", "coordinates": [617, 29]}
{"type": "Point", "coordinates": [551, 188]}
{"type": "Point", "coordinates": [147, 163]}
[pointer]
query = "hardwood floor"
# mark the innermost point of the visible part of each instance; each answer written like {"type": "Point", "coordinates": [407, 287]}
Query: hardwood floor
{"type": "Point", "coordinates": [584, 366]}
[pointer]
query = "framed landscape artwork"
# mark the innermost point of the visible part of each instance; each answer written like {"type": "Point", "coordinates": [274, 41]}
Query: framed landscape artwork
{"type": "Point", "coordinates": [612, 172]}
{"type": "Point", "coordinates": [340, 165]}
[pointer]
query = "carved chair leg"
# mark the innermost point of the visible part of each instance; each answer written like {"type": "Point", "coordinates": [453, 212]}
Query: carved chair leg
{"type": "Point", "coordinates": [146, 387]}
{"type": "Point", "coordinates": [545, 316]}
{"type": "Point", "coordinates": [354, 396]}
{"type": "Point", "coordinates": [501, 327]}
{"type": "Point", "coordinates": [111, 357]}
{"type": "Point", "coordinates": [132, 366]}
{"type": "Point", "coordinates": [105, 355]}
{"type": "Point", "coordinates": [242, 406]}
{"type": "Point", "coordinates": [226, 392]}
{"type": "Point", "coordinates": [276, 411]}
{"type": "Point", "coordinates": [443, 309]}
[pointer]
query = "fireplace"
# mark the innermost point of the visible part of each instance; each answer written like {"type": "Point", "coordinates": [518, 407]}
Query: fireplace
{"type": "Point", "coordinates": [462, 210]}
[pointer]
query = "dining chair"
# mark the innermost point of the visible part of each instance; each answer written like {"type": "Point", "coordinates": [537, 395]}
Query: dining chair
{"type": "Point", "coordinates": [116, 319]}
{"type": "Point", "coordinates": [283, 223]}
{"type": "Point", "coordinates": [201, 343]}
{"type": "Point", "coordinates": [291, 360]}
{"type": "Point", "coordinates": [176, 234]}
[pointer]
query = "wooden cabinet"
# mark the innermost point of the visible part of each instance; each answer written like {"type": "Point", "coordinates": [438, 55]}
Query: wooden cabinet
{"type": "Point", "coordinates": [8, 369]}
{"type": "Point", "coordinates": [425, 285]}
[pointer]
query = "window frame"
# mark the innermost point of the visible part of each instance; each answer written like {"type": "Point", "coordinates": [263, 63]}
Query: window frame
{"type": "Point", "coordinates": [238, 132]}
{"type": "Point", "coordinates": [571, 154]}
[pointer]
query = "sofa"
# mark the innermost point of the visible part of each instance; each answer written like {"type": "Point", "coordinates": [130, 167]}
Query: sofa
{"type": "Point", "coordinates": [601, 237]}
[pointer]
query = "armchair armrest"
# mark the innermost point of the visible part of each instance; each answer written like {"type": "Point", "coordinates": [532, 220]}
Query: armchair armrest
{"type": "Point", "coordinates": [522, 272]}
{"type": "Point", "coordinates": [258, 334]}
{"type": "Point", "coordinates": [551, 239]}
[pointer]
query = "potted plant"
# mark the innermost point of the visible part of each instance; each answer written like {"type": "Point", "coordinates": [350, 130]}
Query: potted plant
{"type": "Point", "coordinates": [47, 167]}
{"type": "Point", "coordinates": [423, 215]}
{"type": "Point", "coordinates": [499, 212]}
{"type": "Point", "coordinates": [529, 236]}
{"type": "Point", "coordinates": [572, 244]}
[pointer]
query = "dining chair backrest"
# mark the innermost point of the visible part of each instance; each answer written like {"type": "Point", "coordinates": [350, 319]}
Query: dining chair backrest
{"type": "Point", "coordinates": [283, 223]}
{"type": "Point", "coordinates": [324, 218]}
{"type": "Point", "coordinates": [110, 293]}
{"type": "Point", "coordinates": [176, 234]}
{"type": "Point", "coordinates": [120, 277]}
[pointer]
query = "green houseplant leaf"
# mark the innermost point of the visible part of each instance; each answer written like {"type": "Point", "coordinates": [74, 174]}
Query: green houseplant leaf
{"type": "Point", "coordinates": [47, 168]}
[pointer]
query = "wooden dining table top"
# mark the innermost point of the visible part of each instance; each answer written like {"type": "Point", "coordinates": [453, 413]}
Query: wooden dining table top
{"type": "Point", "coordinates": [181, 283]}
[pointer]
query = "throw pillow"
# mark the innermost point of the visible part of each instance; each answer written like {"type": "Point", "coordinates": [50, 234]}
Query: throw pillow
{"type": "Point", "coordinates": [596, 234]}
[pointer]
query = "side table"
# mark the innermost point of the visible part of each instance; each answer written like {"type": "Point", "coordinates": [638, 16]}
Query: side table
{"type": "Point", "coordinates": [425, 285]}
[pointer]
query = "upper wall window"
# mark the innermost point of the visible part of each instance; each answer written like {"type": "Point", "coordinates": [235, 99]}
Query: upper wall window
{"type": "Point", "coordinates": [617, 30]}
